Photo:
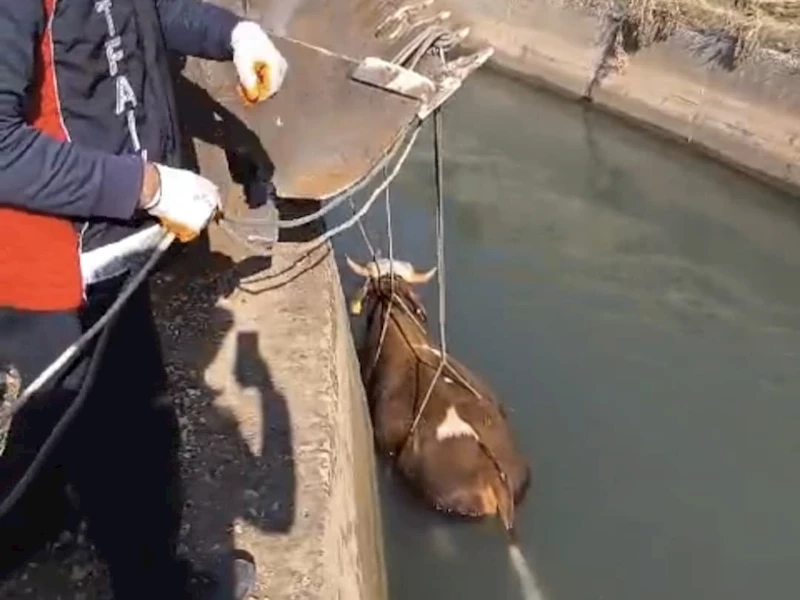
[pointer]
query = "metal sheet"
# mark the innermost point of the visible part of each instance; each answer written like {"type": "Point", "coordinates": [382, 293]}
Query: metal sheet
{"type": "Point", "coordinates": [355, 28]}
{"type": "Point", "coordinates": [324, 131]}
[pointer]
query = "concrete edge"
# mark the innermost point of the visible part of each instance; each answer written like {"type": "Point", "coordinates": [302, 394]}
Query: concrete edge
{"type": "Point", "coordinates": [748, 119]}
{"type": "Point", "coordinates": [354, 482]}
{"type": "Point", "coordinates": [337, 553]}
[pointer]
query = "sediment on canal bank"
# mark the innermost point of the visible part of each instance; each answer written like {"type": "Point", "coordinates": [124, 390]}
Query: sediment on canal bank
{"type": "Point", "coordinates": [722, 76]}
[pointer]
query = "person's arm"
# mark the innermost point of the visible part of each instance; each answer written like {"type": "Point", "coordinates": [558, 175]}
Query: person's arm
{"type": "Point", "coordinates": [37, 172]}
{"type": "Point", "coordinates": [204, 30]}
{"type": "Point", "coordinates": [197, 28]}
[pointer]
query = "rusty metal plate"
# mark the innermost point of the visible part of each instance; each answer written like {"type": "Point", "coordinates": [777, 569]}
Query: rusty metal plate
{"type": "Point", "coordinates": [323, 131]}
{"type": "Point", "coordinates": [354, 28]}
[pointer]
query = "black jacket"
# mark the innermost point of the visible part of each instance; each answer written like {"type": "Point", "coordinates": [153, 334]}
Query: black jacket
{"type": "Point", "coordinates": [109, 78]}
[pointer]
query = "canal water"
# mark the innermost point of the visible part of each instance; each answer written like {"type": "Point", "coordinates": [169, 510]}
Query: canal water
{"type": "Point", "coordinates": [637, 309]}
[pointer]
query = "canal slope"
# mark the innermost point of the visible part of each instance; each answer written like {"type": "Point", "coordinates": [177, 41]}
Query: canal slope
{"type": "Point", "coordinates": [747, 116]}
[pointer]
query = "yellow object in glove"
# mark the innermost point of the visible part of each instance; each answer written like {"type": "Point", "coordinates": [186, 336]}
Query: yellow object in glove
{"type": "Point", "coordinates": [260, 66]}
{"type": "Point", "coordinates": [185, 202]}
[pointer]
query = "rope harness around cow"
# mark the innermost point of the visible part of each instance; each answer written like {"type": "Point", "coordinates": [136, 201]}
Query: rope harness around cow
{"type": "Point", "coordinates": [396, 300]}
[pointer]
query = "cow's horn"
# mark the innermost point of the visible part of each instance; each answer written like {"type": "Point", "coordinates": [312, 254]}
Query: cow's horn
{"type": "Point", "coordinates": [357, 268]}
{"type": "Point", "coordinates": [422, 277]}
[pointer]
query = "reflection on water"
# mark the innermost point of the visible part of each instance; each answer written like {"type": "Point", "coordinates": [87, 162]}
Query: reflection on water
{"type": "Point", "coordinates": [638, 311]}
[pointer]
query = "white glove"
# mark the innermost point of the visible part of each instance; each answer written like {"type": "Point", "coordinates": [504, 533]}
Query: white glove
{"type": "Point", "coordinates": [259, 64]}
{"type": "Point", "coordinates": [185, 202]}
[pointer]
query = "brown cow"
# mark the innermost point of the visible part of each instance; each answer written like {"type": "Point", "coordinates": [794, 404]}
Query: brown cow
{"type": "Point", "coordinates": [461, 456]}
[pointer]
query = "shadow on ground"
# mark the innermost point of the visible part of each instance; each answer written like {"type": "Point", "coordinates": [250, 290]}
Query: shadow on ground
{"type": "Point", "coordinates": [237, 448]}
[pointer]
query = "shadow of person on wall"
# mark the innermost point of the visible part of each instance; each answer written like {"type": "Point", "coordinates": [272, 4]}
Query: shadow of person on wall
{"type": "Point", "coordinates": [238, 447]}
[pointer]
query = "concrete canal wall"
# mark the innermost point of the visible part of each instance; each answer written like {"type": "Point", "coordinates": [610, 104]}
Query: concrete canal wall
{"type": "Point", "coordinates": [748, 117]}
{"type": "Point", "coordinates": [301, 492]}
{"type": "Point", "coordinates": [285, 427]}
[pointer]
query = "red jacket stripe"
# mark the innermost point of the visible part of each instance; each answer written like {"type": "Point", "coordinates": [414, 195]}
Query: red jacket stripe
{"type": "Point", "coordinates": [39, 254]}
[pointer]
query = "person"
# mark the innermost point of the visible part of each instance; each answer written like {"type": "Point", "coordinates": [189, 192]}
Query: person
{"type": "Point", "coordinates": [89, 157]}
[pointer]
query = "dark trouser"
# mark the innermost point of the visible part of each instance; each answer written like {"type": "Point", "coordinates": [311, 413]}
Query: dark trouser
{"type": "Point", "coordinates": [120, 452]}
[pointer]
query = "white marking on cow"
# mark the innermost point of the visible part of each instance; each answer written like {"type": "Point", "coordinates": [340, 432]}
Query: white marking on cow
{"type": "Point", "coordinates": [453, 426]}
{"type": "Point", "coordinates": [447, 379]}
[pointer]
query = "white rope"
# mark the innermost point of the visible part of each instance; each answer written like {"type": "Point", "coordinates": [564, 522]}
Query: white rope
{"type": "Point", "coordinates": [437, 122]}
{"type": "Point", "coordinates": [368, 204]}
{"type": "Point", "coordinates": [390, 236]}
{"type": "Point", "coordinates": [131, 286]}
{"type": "Point", "coordinates": [363, 230]}
{"type": "Point", "coordinates": [388, 313]}
{"type": "Point", "coordinates": [354, 220]}
{"type": "Point", "coordinates": [52, 370]}
{"type": "Point", "coordinates": [437, 142]}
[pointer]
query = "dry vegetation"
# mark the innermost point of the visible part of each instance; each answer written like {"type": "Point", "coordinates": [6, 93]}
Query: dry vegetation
{"type": "Point", "coordinates": [728, 31]}
{"type": "Point", "coordinates": [751, 24]}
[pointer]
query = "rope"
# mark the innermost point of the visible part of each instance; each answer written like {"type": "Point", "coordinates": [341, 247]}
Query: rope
{"type": "Point", "coordinates": [58, 431]}
{"type": "Point", "coordinates": [393, 295]}
{"type": "Point", "coordinates": [130, 287]}
{"type": "Point", "coordinates": [332, 203]}
{"type": "Point", "coordinates": [442, 297]}
{"type": "Point", "coordinates": [430, 37]}
{"type": "Point", "coordinates": [389, 233]}
{"type": "Point", "coordinates": [368, 204]}
{"type": "Point", "coordinates": [364, 234]}
{"type": "Point", "coordinates": [356, 218]}
{"type": "Point", "coordinates": [100, 326]}
{"type": "Point", "coordinates": [437, 148]}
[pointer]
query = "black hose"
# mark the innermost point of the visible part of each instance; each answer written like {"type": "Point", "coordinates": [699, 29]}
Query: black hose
{"type": "Point", "coordinates": [58, 431]}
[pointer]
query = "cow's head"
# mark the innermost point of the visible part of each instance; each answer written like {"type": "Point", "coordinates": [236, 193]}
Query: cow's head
{"type": "Point", "coordinates": [388, 281]}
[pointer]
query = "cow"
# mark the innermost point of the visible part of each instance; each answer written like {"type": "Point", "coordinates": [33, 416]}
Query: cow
{"type": "Point", "coordinates": [458, 452]}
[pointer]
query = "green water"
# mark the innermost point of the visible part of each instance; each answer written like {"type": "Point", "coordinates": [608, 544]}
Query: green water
{"type": "Point", "coordinates": [636, 309]}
